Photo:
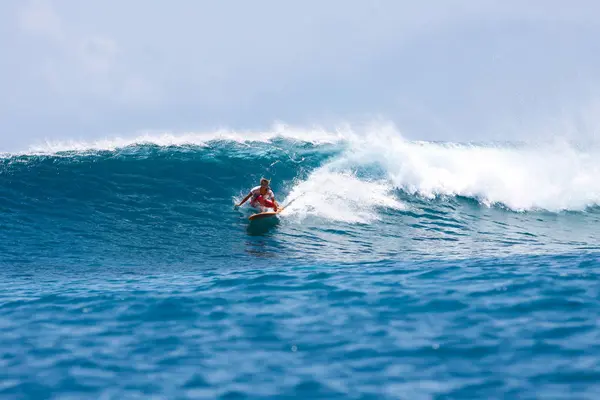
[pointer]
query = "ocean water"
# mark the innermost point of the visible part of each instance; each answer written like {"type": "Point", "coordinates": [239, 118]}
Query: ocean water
{"type": "Point", "coordinates": [399, 269]}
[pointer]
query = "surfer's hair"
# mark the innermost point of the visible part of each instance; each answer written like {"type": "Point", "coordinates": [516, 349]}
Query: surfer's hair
{"type": "Point", "coordinates": [265, 180]}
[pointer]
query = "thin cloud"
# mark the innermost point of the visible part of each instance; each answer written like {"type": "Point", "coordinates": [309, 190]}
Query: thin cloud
{"type": "Point", "coordinates": [85, 66]}
{"type": "Point", "coordinates": [38, 17]}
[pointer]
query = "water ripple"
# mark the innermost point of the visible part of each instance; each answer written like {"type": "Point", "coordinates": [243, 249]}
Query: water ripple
{"type": "Point", "coordinates": [524, 327]}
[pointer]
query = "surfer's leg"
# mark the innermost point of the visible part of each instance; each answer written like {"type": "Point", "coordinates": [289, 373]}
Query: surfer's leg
{"type": "Point", "coordinates": [264, 203]}
{"type": "Point", "coordinates": [258, 202]}
{"type": "Point", "coordinates": [268, 203]}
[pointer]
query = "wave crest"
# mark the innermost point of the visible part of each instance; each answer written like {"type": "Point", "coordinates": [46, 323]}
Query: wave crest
{"type": "Point", "coordinates": [364, 168]}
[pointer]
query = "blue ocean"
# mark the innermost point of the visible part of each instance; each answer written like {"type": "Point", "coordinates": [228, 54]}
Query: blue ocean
{"type": "Point", "coordinates": [399, 269]}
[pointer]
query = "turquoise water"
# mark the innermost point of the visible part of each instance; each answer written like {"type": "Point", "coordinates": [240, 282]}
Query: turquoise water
{"type": "Point", "coordinates": [399, 270]}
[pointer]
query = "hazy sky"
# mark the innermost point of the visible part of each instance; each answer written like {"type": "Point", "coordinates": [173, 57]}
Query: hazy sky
{"type": "Point", "coordinates": [451, 70]}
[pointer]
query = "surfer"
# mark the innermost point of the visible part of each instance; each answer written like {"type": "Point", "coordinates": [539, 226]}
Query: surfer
{"type": "Point", "coordinates": [262, 196]}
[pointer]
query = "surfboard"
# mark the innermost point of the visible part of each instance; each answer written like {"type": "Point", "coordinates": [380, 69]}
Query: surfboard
{"type": "Point", "coordinates": [266, 214]}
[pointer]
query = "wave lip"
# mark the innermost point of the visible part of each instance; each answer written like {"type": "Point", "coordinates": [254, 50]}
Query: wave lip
{"type": "Point", "coordinates": [315, 136]}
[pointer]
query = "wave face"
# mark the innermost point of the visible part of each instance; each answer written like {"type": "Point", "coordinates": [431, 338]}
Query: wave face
{"type": "Point", "coordinates": [399, 268]}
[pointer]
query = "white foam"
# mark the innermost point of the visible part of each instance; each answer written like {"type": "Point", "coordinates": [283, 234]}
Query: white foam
{"type": "Point", "coordinates": [554, 176]}
{"type": "Point", "coordinates": [340, 196]}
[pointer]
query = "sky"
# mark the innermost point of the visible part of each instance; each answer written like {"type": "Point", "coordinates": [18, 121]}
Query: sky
{"type": "Point", "coordinates": [438, 70]}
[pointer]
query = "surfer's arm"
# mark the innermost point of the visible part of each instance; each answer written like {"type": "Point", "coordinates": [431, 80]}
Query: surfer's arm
{"type": "Point", "coordinates": [273, 198]}
{"type": "Point", "coordinates": [244, 200]}
{"type": "Point", "coordinates": [275, 202]}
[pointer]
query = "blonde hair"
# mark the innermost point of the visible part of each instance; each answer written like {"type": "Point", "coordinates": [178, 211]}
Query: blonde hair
{"type": "Point", "coordinates": [265, 180]}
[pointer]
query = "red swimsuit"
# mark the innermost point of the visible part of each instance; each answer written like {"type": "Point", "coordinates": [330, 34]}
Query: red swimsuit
{"type": "Point", "coordinates": [263, 200]}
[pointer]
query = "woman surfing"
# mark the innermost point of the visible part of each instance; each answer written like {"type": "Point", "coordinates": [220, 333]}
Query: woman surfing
{"type": "Point", "coordinates": [261, 197]}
